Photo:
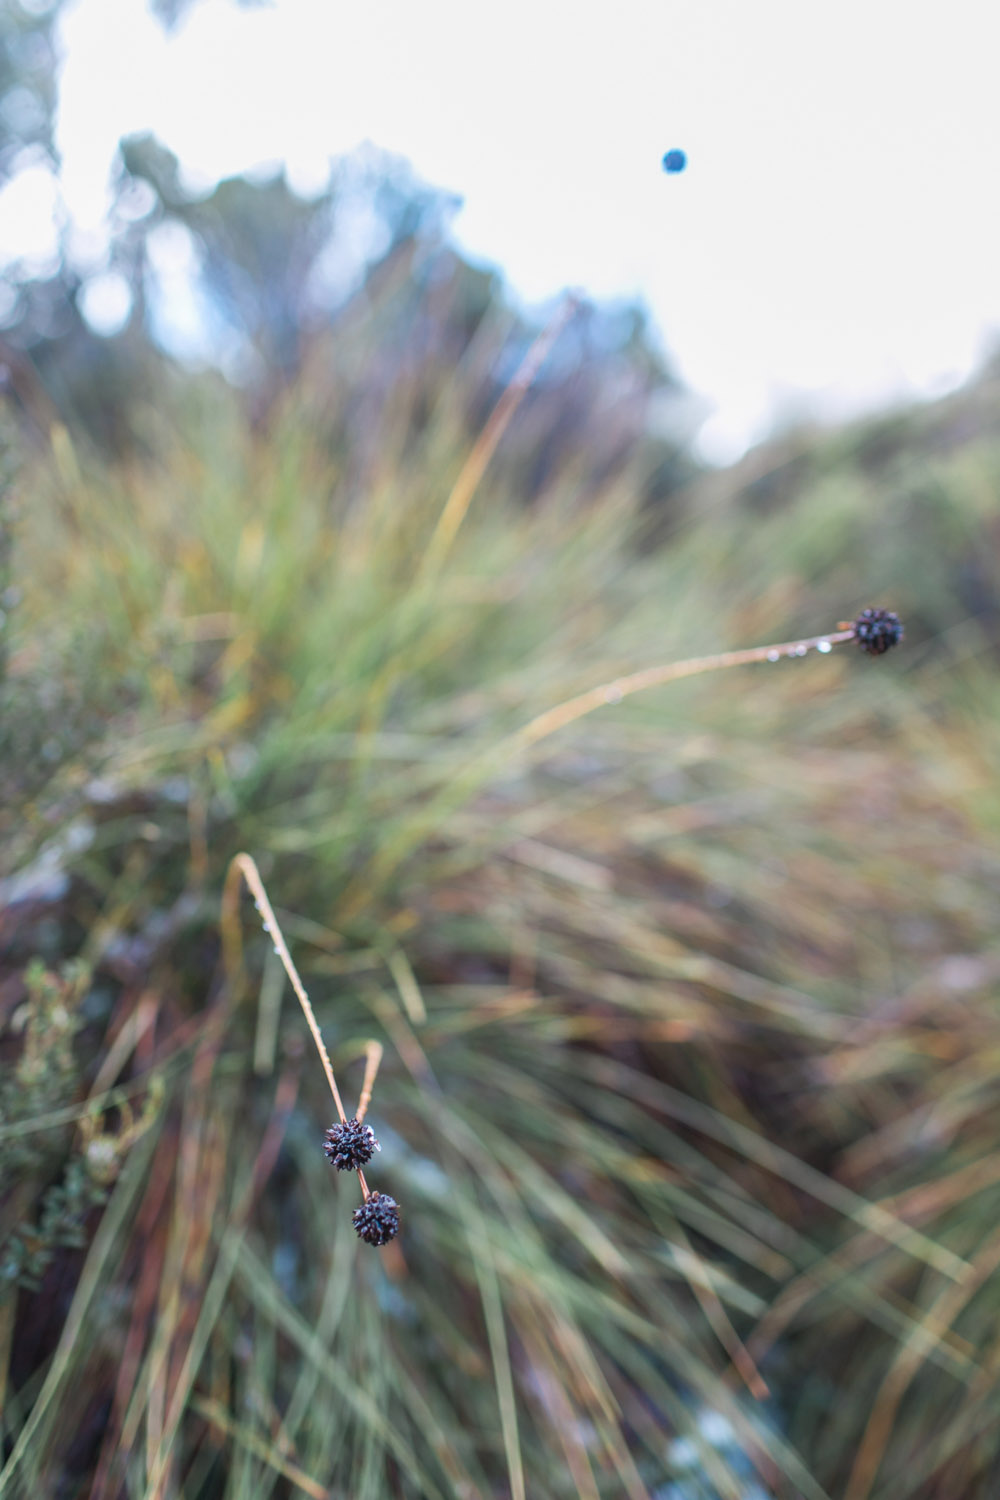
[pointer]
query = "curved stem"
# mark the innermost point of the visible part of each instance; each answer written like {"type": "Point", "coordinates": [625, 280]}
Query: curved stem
{"type": "Point", "coordinates": [373, 1059]}
{"type": "Point", "coordinates": [552, 719]}
{"type": "Point", "coordinates": [544, 724]}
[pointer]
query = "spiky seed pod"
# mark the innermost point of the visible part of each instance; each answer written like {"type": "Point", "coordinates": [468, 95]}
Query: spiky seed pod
{"type": "Point", "coordinates": [349, 1144]}
{"type": "Point", "coordinates": [377, 1220]}
{"type": "Point", "coordinates": [875, 630]}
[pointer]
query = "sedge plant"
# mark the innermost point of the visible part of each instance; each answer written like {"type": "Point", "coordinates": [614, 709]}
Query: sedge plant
{"type": "Point", "coordinates": [663, 1090]}
{"type": "Point", "coordinates": [350, 1144]}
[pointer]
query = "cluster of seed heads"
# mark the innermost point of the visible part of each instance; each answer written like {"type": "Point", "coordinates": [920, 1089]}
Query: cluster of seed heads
{"type": "Point", "coordinates": [350, 1145]}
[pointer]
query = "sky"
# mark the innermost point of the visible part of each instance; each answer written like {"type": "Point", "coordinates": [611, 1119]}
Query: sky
{"type": "Point", "coordinates": [833, 244]}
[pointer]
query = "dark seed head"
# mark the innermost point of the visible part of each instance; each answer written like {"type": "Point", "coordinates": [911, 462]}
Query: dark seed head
{"type": "Point", "coordinates": [875, 630]}
{"type": "Point", "coordinates": [377, 1220]}
{"type": "Point", "coordinates": [350, 1144]}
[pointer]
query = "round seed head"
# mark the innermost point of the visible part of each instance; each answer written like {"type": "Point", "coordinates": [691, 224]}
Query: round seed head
{"type": "Point", "coordinates": [875, 630]}
{"type": "Point", "coordinates": [349, 1144]}
{"type": "Point", "coordinates": [377, 1220]}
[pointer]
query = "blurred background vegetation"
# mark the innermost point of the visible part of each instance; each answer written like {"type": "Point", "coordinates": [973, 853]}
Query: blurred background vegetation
{"type": "Point", "coordinates": [690, 1014]}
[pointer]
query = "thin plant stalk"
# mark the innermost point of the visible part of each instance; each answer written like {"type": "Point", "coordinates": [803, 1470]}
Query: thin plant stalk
{"type": "Point", "coordinates": [557, 717]}
{"type": "Point", "coordinates": [245, 865]}
{"type": "Point", "coordinates": [546, 723]}
{"type": "Point", "coordinates": [457, 504]}
{"type": "Point", "coordinates": [373, 1060]}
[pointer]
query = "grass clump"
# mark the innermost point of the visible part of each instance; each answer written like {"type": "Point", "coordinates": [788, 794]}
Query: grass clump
{"type": "Point", "coordinates": [682, 1001]}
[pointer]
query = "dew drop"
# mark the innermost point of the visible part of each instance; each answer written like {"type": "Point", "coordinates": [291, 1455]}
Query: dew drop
{"type": "Point", "coordinates": [276, 949]}
{"type": "Point", "coordinates": [612, 694]}
{"type": "Point", "coordinates": [824, 646]}
{"type": "Point", "coordinates": [266, 926]}
{"type": "Point", "coordinates": [801, 650]}
{"type": "Point", "coordinates": [774, 656]}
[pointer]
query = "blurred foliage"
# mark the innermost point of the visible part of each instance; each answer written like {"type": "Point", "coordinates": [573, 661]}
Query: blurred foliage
{"type": "Point", "coordinates": [259, 244]}
{"type": "Point", "coordinates": [281, 282]}
{"type": "Point", "coordinates": [269, 276]}
{"type": "Point", "coordinates": [45, 1076]}
{"type": "Point", "coordinates": [29, 83]}
{"type": "Point", "coordinates": [689, 1014]}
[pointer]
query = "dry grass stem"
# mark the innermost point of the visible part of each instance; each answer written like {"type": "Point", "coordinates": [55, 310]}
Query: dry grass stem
{"type": "Point", "coordinates": [606, 693]}
{"type": "Point", "coordinates": [472, 471]}
{"type": "Point", "coordinates": [373, 1061]}
{"type": "Point", "coordinates": [243, 864]}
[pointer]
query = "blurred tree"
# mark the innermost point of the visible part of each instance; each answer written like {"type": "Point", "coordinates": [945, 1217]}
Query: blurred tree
{"type": "Point", "coordinates": [272, 265]}
{"type": "Point", "coordinates": [49, 347]}
{"type": "Point", "coordinates": [28, 85]}
{"type": "Point", "coordinates": [261, 282]}
{"type": "Point", "coordinates": [48, 350]}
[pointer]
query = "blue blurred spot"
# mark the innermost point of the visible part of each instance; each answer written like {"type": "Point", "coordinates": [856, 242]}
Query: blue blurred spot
{"type": "Point", "coordinates": [675, 161]}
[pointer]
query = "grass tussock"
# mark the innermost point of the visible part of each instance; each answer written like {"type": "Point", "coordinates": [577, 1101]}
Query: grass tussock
{"type": "Point", "coordinates": [686, 1011]}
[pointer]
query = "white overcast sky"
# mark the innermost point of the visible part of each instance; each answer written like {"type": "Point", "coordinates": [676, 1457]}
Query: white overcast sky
{"type": "Point", "coordinates": [835, 237]}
